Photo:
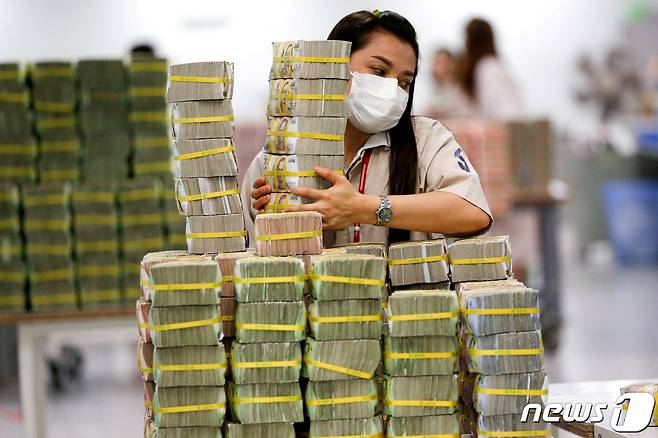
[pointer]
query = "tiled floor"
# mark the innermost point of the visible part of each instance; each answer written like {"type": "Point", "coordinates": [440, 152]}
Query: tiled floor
{"type": "Point", "coordinates": [609, 333]}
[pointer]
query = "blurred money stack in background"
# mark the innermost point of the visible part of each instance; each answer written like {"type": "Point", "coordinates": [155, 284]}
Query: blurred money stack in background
{"type": "Point", "coordinates": [502, 349]}
{"type": "Point", "coordinates": [307, 116]}
{"type": "Point", "coordinates": [180, 356]}
{"type": "Point", "coordinates": [104, 119]}
{"type": "Point", "coordinates": [345, 319]}
{"type": "Point", "coordinates": [12, 264]}
{"type": "Point", "coordinates": [206, 169]}
{"type": "Point", "coordinates": [148, 117]}
{"type": "Point", "coordinates": [17, 145]}
{"type": "Point", "coordinates": [54, 101]}
{"type": "Point", "coordinates": [141, 229]}
{"type": "Point", "coordinates": [47, 225]}
{"type": "Point", "coordinates": [95, 224]}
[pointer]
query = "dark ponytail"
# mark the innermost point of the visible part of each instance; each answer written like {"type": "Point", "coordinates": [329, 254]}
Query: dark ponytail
{"type": "Point", "coordinates": [403, 163]}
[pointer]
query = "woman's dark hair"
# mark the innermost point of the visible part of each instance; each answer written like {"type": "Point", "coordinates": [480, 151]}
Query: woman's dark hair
{"type": "Point", "coordinates": [479, 43]}
{"type": "Point", "coordinates": [357, 28]}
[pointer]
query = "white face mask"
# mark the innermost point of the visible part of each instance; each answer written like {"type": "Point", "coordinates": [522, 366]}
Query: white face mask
{"type": "Point", "coordinates": [375, 104]}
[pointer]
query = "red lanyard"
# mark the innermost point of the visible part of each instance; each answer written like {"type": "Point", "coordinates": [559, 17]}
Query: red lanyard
{"type": "Point", "coordinates": [362, 188]}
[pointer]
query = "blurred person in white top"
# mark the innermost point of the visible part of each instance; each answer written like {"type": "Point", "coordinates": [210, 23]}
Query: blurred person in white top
{"type": "Point", "coordinates": [483, 78]}
{"type": "Point", "coordinates": [448, 100]}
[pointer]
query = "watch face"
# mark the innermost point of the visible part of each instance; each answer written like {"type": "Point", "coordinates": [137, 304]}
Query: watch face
{"type": "Point", "coordinates": [385, 214]}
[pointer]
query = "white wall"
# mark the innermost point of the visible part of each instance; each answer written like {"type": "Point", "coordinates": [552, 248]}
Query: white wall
{"type": "Point", "coordinates": [538, 40]}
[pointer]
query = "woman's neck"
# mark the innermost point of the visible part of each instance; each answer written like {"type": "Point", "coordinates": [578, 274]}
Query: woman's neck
{"type": "Point", "coordinates": [354, 139]}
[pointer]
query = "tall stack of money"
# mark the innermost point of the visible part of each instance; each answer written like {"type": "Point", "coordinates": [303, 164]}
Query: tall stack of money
{"type": "Point", "coordinates": [95, 224]}
{"type": "Point", "coordinates": [47, 225]}
{"type": "Point", "coordinates": [343, 353]}
{"type": "Point", "coordinates": [421, 358]}
{"type": "Point", "coordinates": [307, 116]}
{"type": "Point", "coordinates": [12, 265]}
{"type": "Point", "coordinates": [266, 356]}
{"type": "Point", "coordinates": [54, 100]}
{"type": "Point", "coordinates": [148, 117]}
{"type": "Point", "coordinates": [104, 119]}
{"type": "Point", "coordinates": [141, 228]}
{"type": "Point", "coordinates": [206, 169]}
{"type": "Point", "coordinates": [179, 354]}
{"type": "Point", "coordinates": [17, 145]}
{"type": "Point", "coordinates": [419, 265]}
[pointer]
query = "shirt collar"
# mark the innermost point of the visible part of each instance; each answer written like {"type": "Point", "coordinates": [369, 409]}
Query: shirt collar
{"type": "Point", "coordinates": [376, 140]}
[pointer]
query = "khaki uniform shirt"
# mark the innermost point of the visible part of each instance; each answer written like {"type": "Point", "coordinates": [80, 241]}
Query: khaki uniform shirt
{"type": "Point", "coordinates": [442, 166]}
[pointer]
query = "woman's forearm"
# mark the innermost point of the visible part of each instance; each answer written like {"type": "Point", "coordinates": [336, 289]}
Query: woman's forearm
{"type": "Point", "coordinates": [435, 212]}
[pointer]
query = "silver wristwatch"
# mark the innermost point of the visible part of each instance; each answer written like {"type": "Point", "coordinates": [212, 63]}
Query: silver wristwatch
{"type": "Point", "coordinates": [384, 213]}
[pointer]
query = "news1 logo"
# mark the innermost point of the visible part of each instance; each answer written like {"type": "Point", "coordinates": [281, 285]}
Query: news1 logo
{"type": "Point", "coordinates": [639, 412]}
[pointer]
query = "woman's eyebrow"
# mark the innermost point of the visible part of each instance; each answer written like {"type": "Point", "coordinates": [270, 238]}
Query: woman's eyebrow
{"type": "Point", "coordinates": [390, 64]}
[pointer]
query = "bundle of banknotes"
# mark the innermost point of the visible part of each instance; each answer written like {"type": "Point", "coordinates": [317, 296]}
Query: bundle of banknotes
{"type": "Point", "coordinates": [55, 104]}
{"type": "Point", "coordinates": [412, 264]}
{"type": "Point", "coordinates": [17, 141]}
{"type": "Point", "coordinates": [12, 267]}
{"type": "Point", "coordinates": [421, 395]}
{"type": "Point", "coordinates": [204, 153]}
{"type": "Point", "coordinates": [480, 259]}
{"type": "Point", "coordinates": [286, 234]}
{"type": "Point", "coordinates": [431, 425]}
{"type": "Point", "coordinates": [95, 224]}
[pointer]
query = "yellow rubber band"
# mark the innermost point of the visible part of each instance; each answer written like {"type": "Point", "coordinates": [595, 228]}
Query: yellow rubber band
{"type": "Point", "coordinates": [295, 96]}
{"type": "Point", "coordinates": [227, 318]}
{"type": "Point", "coordinates": [216, 235]}
{"type": "Point", "coordinates": [207, 119]}
{"type": "Point", "coordinates": [277, 207]}
{"type": "Point", "coordinates": [13, 97]}
{"type": "Point", "coordinates": [60, 146]}
{"type": "Point", "coordinates": [210, 195]}
{"type": "Point", "coordinates": [422, 403]}
{"type": "Point", "coordinates": [514, 433]}
{"type": "Point", "coordinates": [184, 286]}
{"type": "Point", "coordinates": [182, 325]}
{"type": "Point", "coordinates": [266, 364]}
{"type": "Point", "coordinates": [15, 277]}
{"type": "Point", "coordinates": [52, 224]}
{"type": "Point", "coordinates": [157, 167]}
{"type": "Point", "coordinates": [423, 355]}
{"type": "Point", "coordinates": [52, 72]}
{"type": "Point", "coordinates": [435, 435]}
{"type": "Point", "coordinates": [49, 175]}
{"type": "Point", "coordinates": [270, 327]}
{"type": "Point", "coordinates": [54, 107]}
{"type": "Point", "coordinates": [372, 435]}
{"type": "Point", "coordinates": [141, 219]}
{"type": "Point", "coordinates": [200, 79]}
{"type": "Point", "coordinates": [93, 197]}
{"type": "Point", "coordinates": [44, 300]}
{"type": "Point", "coordinates": [255, 400]}
{"type": "Point", "coordinates": [300, 173]}
{"type": "Point", "coordinates": [9, 75]}
{"type": "Point", "coordinates": [151, 142]}
{"type": "Point", "coordinates": [313, 135]}
{"type": "Point", "coordinates": [205, 153]}
{"type": "Point", "coordinates": [340, 319]}
{"type": "Point", "coordinates": [143, 244]}
{"type": "Point", "coordinates": [17, 149]}
{"type": "Point", "coordinates": [54, 275]}
{"type": "Point", "coordinates": [337, 368]}
{"type": "Point", "coordinates": [287, 236]}
{"type": "Point", "coordinates": [423, 316]}
{"type": "Point", "coordinates": [481, 261]}
{"type": "Point", "coordinates": [191, 367]}
{"type": "Point", "coordinates": [149, 66]}
{"type": "Point", "coordinates": [322, 59]}
{"type": "Point", "coordinates": [265, 280]}
{"type": "Point", "coordinates": [497, 391]}
{"type": "Point", "coordinates": [416, 260]}
{"type": "Point", "coordinates": [140, 194]}
{"type": "Point", "coordinates": [508, 352]}
{"type": "Point", "coordinates": [341, 400]}
{"type": "Point", "coordinates": [15, 300]}
{"type": "Point", "coordinates": [502, 311]}
{"type": "Point", "coordinates": [148, 116]}
{"type": "Point", "coordinates": [33, 200]}
{"type": "Point", "coordinates": [227, 278]}
{"type": "Point", "coordinates": [190, 408]}
{"type": "Point", "coordinates": [347, 280]}
{"type": "Point", "coordinates": [16, 170]}
{"type": "Point", "coordinates": [9, 223]}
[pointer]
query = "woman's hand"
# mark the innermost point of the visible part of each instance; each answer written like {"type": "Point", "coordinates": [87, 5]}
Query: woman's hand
{"type": "Point", "coordinates": [340, 205]}
{"type": "Point", "coordinates": [261, 194]}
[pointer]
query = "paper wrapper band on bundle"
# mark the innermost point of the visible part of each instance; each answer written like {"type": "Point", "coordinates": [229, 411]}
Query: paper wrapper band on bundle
{"type": "Point", "coordinates": [283, 234]}
{"type": "Point", "coordinates": [200, 81]}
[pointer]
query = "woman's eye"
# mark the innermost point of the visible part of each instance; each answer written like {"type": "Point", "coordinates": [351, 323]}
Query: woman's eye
{"type": "Point", "coordinates": [378, 71]}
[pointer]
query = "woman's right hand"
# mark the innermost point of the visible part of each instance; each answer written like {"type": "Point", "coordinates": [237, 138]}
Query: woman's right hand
{"type": "Point", "coordinates": [261, 194]}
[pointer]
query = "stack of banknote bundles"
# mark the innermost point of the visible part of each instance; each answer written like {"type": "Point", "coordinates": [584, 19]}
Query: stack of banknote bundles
{"type": "Point", "coordinates": [283, 234]}
{"type": "Point", "coordinates": [419, 265]}
{"type": "Point", "coordinates": [307, 116]}
{"type": "Point", "coordinates": [95, 224]}
{"type": "Point", "coordinates": [17, 143]}
{"type": "Point", "coordinates": [421, 355]}
{"type": "Point", "coordinates": [148, 117]}
{"type": "Point", "coordinates": [54, 99]}
{"type": "Point", "coordinates": [345, 320]}
{"type": "Point", "coordinates": [480, 259]}
{"type": "Point", "coordinates": [141, 226]}
{"type": "Point", "coordinates": [504, 351]}
{"type": "Point", "coordinates": [206, 169]}
{"type": "Point", "coordinates": [12, 266]}
{"type": "Point", "coordinates": [266, 356]}
{"type": "Point", "coordinates": [104, 119]}
{"type": "Point", "coordinates": [187, 362]}
{"type": "Point", "coordinates": [47, 225]}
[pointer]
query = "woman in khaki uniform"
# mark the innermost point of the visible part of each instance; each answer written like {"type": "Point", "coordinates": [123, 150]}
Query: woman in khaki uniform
{"type": "Point", "coordinates": [405, 178]}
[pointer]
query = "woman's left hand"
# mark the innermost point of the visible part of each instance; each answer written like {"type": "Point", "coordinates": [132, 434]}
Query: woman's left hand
{"type": "Point", "coordinates": [340, 205]}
